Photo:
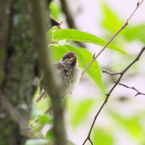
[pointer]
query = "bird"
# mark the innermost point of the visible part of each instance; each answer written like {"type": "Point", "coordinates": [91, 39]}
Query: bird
{"type": "Point", "coordinates": [54, 22]}
{"type": "Point", "coordinates": [67, 72]}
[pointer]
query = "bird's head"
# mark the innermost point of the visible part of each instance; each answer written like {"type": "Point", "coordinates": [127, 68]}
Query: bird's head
{"type": "Point", "coordinates": [69, 60]}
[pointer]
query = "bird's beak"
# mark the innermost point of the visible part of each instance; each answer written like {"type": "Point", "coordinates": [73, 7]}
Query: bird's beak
{"type": "Point", "coordinates": [73, 58]}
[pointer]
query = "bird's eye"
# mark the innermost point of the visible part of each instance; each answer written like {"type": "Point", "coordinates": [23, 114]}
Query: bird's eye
{"type": "Point", "coordinates": [69, 56]}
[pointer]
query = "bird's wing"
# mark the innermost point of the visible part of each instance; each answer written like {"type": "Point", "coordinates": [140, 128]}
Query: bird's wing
{"type": "Point", "coordinates": [42, 93]}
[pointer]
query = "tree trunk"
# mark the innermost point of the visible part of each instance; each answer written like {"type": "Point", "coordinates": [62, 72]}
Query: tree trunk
{"type": "Point", "coordinates": [17, 73]}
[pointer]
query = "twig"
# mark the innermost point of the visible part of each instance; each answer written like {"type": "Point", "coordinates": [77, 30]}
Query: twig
{"type": "Point", "coordinates": [133, 88]}
{"type": "Point", "coordinates": [126, 23]}
{"type": "Point", "coordinates": [110, 73]}
{"type": "Point", "coordinates": [111, 90]}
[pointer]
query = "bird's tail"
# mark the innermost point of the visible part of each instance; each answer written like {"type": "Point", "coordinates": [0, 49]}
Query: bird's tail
{"type": "Point", "coordinates": [41, 95]}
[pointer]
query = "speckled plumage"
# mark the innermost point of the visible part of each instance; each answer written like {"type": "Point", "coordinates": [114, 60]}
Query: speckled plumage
{"type": "Point", "coordinates": [67, 73]}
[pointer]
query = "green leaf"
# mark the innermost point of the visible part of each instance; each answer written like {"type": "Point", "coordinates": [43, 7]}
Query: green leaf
{"type": "Point", "coordinates": [76, 35]}
{"type": "Point", "coordinates": [44, 119]}
{"type": "Point", "coordinates": [81, 109]}
{"type": "Point", "coordinates": [135, 32]}
{"type": "Point", "coordinates": [58, 52]}
{"type": "Point", "coordinates": [50, 134]}
{"type": "Point", "coordinates": [55, 10]}
{"type": "Point", "coordinates": [85, 58]}
{"type": "Point", "coordinates": [131, 124]}
{"type": "Point", "coordinates": [102, 137]}
{"type": "Point", "coordinates": [111, 20]}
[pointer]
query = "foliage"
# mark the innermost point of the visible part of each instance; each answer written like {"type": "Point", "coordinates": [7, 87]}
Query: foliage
{"type": "Point", "coordinates": [76, 35]}
{"type": "Point", "coordinates": [81, 110]}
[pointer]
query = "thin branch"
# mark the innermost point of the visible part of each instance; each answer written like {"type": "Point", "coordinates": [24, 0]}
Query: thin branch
{"type": "Point", "coordinates": [110, 73]}
{"type": "Point", "coordinates": [111, 90]}
{"type": "Point", "coordinates": [133, 88]}
{"type": "Point", "coordinates": [91, 141]}
{"type": "Point", "coordinates": [126, 23]}
{"type": "Point", "coordinates": [41, 46]}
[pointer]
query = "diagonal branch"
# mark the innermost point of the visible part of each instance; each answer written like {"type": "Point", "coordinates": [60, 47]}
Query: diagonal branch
{"type": "Point", "coordinates": [111, 90]}
{"type": "Point", "coordinates": [123, 27]}
{"type": "Point", "coordinates": [67, 12]}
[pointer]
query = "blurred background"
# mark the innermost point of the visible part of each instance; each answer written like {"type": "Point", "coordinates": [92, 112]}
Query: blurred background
{"type": "Point", "coordinates": [122, 121]}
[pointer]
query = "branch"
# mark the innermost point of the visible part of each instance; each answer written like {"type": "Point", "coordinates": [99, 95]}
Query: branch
{"type": "Point", "coordinates": [20, 120]}
{"type": "Point", "coordinates": [110, 73]}
{"type": "Point", "coordinates": [123, 27]}
{"type": "Point", "coordinates": [69, 18]}
{"type": "Point", "coordinates": [41, 46]}
{"type": "Point", "coordinates": [133, 88]}
{"type": "Point", "coordinates": [111, 90]}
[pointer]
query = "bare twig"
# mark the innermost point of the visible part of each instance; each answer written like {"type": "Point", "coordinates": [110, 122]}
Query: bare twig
{"type": "Point", "coordinates": [110, 73]}
{"type": "Point", "coordinates": [133, 88]}
{"type": "Point", "coordinates": [126, 23]}
{"type": "Point", "coordinates": [41, 46]}
{"type": "Point", "coordinates": [111, 90]}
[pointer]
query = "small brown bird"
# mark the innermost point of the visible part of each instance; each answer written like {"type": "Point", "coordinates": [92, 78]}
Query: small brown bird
{"type": "Point", "coordinates": [67, 72]}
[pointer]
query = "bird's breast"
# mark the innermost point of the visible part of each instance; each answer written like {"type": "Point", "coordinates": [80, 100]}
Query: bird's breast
{"type": "Point", "coordinates": [68, 79]}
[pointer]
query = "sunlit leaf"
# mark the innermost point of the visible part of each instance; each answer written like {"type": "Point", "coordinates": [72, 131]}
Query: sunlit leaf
{"type": "Point", "coordinates": [132, 124]}
{"type": "Point", "coordinates": [44, 119]}
{"type": "Point", "coordinates": [80, 111]}
{"type": "Point", "coordinates": [111, 20]}
{"type": "Point", "coordinates": [50, 134]}
{"type": "Point", "coordinates": [58, 51]}
{"type": "Point", "coordinates": [102, 137]}
{"type": "Point", "coordinates": [76, 35]}
{"type": "Point", "coordinates": [55, 10]}
{"type": "Point", "coordinates": [135, 32]}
